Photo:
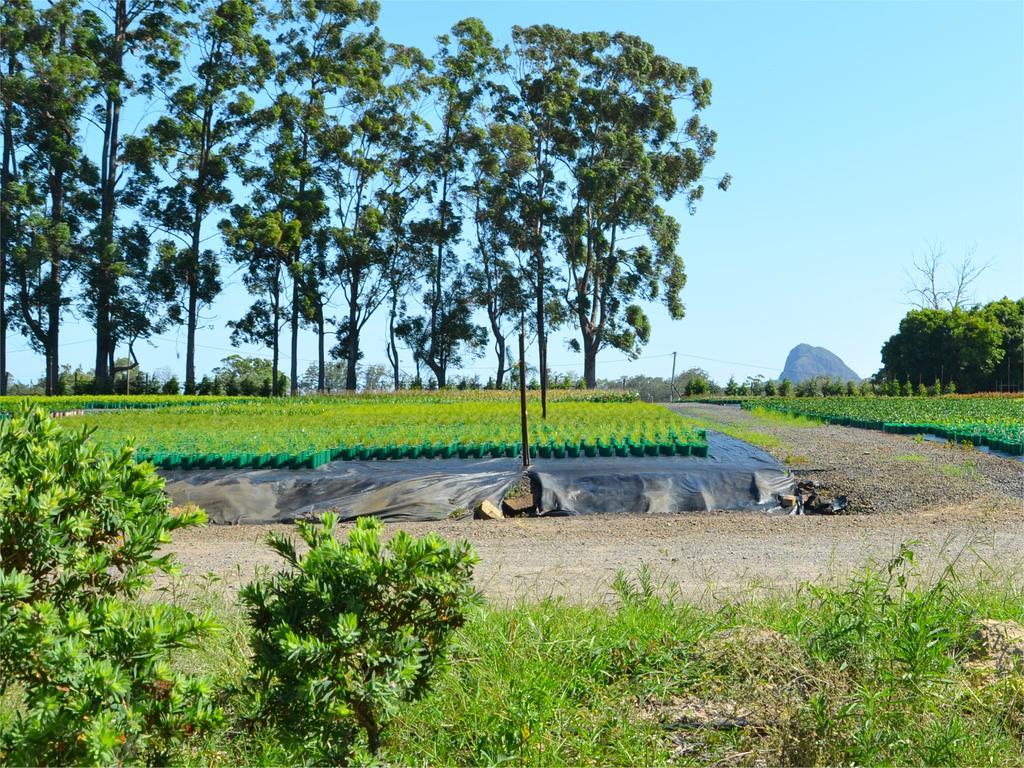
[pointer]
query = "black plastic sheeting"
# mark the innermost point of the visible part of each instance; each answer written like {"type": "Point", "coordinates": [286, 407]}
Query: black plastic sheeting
{"type": "Point", "coordinates": [734, 475]}
{"type": "Point", "coordinates": [400, 490]}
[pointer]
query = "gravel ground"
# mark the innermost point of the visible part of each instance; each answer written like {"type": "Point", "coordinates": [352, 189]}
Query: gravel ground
{"type": "Point", "coordinates": [954, 503]}
{"type": "Point", "coordinates": [879, 472]}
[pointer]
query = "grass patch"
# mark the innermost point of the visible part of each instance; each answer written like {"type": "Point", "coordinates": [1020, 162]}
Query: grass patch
{"type": "Point", "coordinates": [965, 471]}
{"type": "Point", "coordinates": [740, 432]}
{"type": "Point", "coordinates": [784, 419]}
{"type": "Point", "coordinates": [876, 668]}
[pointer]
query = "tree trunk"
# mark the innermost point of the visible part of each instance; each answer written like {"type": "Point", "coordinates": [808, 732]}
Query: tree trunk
{"type": "Point", "coordinates": [499, 378]}
{"type": "Point", "coordinates": [352, 335]}
{"type": "Point", "coordinates": [321, 363]}
{"type": "Point", "coordinates": [589, 360]}
{"type": "Point", "coordinates": [276, 330]}
{"type": "Point", "coordinates": [53, 289]}
{"type": "Point", "coordinates": [6, 177]}
{"type": "Point", "coordinates": [192, 280]}
{"type": "Point", "coordinates": [104, 280]}
{"type": "Point", "coordinates": [538, 246]}
{"type": "Point", "coordinates": [296, 291]}
{"type": "Point", "coordinates": [53, 331]}
{"type": "Point", "coordinates": [190, 339]}
{"type": "Point", "coordinates": [392, 346]}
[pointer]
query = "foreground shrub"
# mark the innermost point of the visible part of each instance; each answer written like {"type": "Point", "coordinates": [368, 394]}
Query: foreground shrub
{"type": "Point", "coordinates": [79, 530]}
{"type": "Point", "coordinates": [352, 630]}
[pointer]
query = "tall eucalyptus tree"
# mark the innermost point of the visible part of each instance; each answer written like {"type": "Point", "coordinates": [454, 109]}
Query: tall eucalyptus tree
{"type": "Point", "coordinates": [627, 152]}
{"type": "Point", "coordinates": [367, 159]}
{"type": "Point", "coordinates": [194, 145]}
{"type": "Point", "coordinates": [465, 60]}
{"type": "Point", "coordinates": [53, 202]}
{"type": "Point", "coordinates": [138, 50]}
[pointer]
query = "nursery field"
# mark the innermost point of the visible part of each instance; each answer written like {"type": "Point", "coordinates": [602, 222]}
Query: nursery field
{"type": "Point", "coordinates": [212, 433]}
{"type": "Point", "coordinates": [996, 422]}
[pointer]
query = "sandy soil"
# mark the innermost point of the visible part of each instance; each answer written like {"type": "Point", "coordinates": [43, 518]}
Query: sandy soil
{"type": "Point", "coordinates": [707, 555]}
{"type": "Point", "coordinates": [953, 503]}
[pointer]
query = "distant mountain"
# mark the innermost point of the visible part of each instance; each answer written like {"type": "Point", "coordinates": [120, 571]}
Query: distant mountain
{"type": "Point", "coordinates": [807, 362]}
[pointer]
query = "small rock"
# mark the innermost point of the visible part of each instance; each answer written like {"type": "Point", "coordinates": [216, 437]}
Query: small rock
{"type": "Point", "coordinates": [487, 511]}
{"type": "Point", "coordinates": [1000, 645]}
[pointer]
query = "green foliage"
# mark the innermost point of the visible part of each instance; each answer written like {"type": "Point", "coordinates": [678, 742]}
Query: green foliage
{"type": "Point", "coordinates": [980, 348]}
{"type": "Point", "coordinates": [79, 533]}
{"type": "Point", "coordinates": [866, 670]}
{"type": "Point", "coordinates": [353, 630]}
{"type": "Point", "coordinates": [440, 424]}
{"type": "Point", "coordinates": [994, 421]}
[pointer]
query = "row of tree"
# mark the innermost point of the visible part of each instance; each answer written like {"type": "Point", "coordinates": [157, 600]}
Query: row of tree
{"type": "Point", "coordinates": [342, 175]}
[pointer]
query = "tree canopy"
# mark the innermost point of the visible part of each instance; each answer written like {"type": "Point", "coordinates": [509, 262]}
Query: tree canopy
{"type": "Point", "coordinates": [469, 193]}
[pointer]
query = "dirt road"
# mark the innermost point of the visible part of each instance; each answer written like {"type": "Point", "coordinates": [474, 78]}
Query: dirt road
{"type": "Point", "coordinates": [954, 503]}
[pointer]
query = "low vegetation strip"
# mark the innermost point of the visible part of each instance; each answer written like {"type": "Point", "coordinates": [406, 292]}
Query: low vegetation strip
{"type": "Point", "coordinates": [995, 422]}
{"type": "Point", "coordinates": [879, 668]}
{"type": "Point", "coordinates": [308, 432]}
{"type": "Point", "coordinates": [126, 402]}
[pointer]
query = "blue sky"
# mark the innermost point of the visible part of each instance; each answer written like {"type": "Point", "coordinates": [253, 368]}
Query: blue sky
{"type": "Point", "coordinates": [856, 134]}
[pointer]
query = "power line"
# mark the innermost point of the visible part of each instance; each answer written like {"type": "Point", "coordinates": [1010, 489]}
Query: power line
{"type": "Point", "coordinates": [731, 362]}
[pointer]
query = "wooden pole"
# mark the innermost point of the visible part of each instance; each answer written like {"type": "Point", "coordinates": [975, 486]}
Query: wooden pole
{"type": "Point", "coordinates": [522, 394]}
{"type": "Point", "coordinates": [672, 387]}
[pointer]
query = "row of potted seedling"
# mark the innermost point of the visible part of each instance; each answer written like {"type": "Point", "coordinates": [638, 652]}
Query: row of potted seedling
{"type": "Point", "coordinates": [313, 459]}
{"type": "Point", "coordinates": [977, 434]}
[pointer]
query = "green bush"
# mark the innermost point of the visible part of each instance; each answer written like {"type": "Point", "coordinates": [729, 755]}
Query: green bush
{"type": "Point", "coordinates": [352, 630]}
{"type": "Point", "coordinates": [87, 664]}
